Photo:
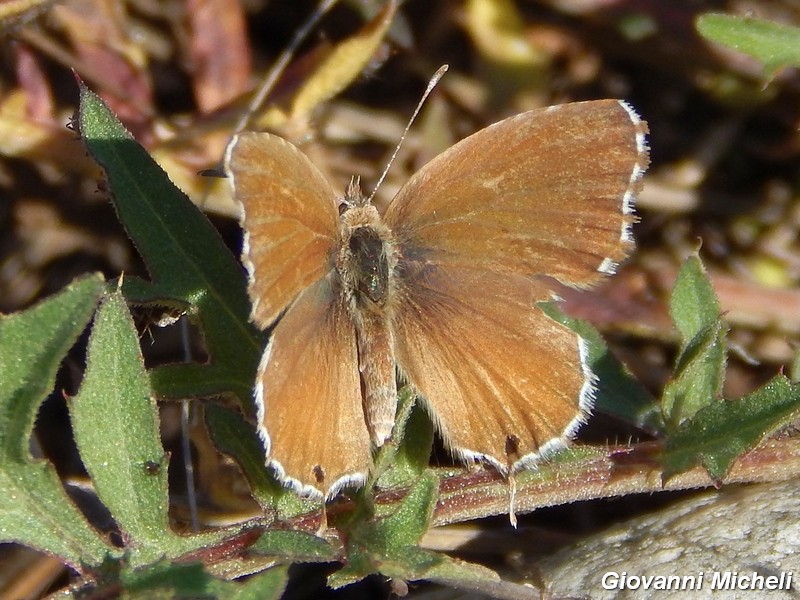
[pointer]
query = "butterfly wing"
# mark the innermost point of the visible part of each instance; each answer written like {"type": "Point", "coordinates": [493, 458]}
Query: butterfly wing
{"type": "Point", "coordinates": [550, 188]}
{"type": "Point", "coordinates": [309, 395]}
{"type": "Point", "coordinates": [502, 381]}
{"type": "Point", "coordinates": [289, 208]}
{"type": "Point", "coordinates": [308, 391]}
{"type": "Point", "coordinates": [547, 192]}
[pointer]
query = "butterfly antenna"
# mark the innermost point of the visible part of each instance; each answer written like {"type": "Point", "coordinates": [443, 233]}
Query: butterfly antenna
{"type": "Point", "coordinates": [431, 84]}
{"type": "Point", "coordinates": [280, 65]}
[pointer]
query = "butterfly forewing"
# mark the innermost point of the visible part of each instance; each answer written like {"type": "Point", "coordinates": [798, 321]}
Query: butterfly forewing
{"type": "Point", "coordinates": [522, 197]}
{"type": "Point", "coordinates": [290, 208]}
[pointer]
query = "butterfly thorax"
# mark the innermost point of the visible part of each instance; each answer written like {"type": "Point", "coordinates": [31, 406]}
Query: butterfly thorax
{"type": "Point", "coordinates": [365, 260]}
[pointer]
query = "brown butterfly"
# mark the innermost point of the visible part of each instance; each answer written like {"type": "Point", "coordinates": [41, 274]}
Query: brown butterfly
{"type": "Point", "coordinates": [441, 288]}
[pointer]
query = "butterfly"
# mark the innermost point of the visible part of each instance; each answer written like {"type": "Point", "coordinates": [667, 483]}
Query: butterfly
{"type": "Point", "coordinates": [441, 290]}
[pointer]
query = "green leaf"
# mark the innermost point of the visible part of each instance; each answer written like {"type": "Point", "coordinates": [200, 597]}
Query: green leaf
{"type": "Point", "coordinates": [722, 431]}
{"type": "Point", "coordinates": [115, 422]}
{"type": "Point", "coordinates": [268, 585]}
{"type": "Point", "coordinates": [237, 438]}
{"type": "Point", "coordinates": [413, 455]}
{"type": "Point", "coordinates": [34, 509]}
{"type": "Point", "coordinates": [166, 579]}
{"type": "Point", "coordinates": [775, 44]}
{"type": "Point", "coordinates": [175, 580]}
{"type": "Point", "coordinates": [700, 370]}
{"type": "Point", "coordinates": [389, 545]}
{"type": "Point", "coordinates": [617, 393]}
{"type": "Point", "coordinates": [412, 565]}
{"type": "Point", "coordinates": [476, 578]}
{"type": "Point", "coordinates": [190, 266]}
{"type": "Point", "coordinates": [694, 306]}
{"type": "Point", "coordinates": [402, 459]}
{"type": "Point", "coordinates": [297, 546]}
{"type": "Point", "coordinates": [407, 525]}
